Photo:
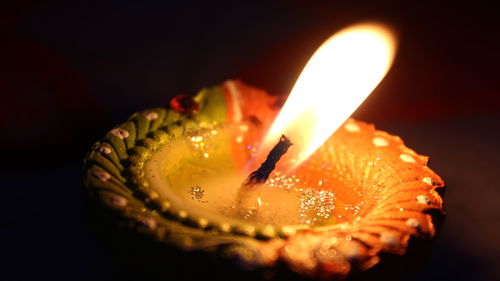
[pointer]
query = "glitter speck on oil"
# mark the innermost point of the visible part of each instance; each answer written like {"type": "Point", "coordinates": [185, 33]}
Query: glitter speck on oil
{"type": "Point", "coordinates": [197, 193]}
{"type": "Point", "coordinates": [316, 205]}
{"type": "Point", "coordinates": [327, 191]}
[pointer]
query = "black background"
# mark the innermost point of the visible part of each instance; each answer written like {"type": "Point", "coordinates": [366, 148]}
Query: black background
{"type": "Point", "coordinates": [70, 70]}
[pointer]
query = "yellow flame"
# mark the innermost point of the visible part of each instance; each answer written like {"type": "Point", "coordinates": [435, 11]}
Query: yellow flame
{"type": "Point", "coordinates": [337, 79]}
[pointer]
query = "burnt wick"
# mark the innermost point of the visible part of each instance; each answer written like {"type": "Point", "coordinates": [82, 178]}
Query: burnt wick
{"type": "Point", "coordinates": [260, 175]}
{"type": "Point", "coordinates": [248, 197]}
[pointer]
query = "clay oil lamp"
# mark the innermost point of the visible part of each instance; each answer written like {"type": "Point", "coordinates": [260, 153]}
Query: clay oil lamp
{"type": "Point", "coordinates": [230, 183]}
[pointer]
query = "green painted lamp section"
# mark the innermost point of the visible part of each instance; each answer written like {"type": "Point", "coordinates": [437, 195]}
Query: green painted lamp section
{"type": "Point", "coordinates": [114, 177]}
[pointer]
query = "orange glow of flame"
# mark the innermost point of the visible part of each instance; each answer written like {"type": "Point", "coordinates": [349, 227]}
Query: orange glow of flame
{"type": "Point", "coordinates": [337, 79]}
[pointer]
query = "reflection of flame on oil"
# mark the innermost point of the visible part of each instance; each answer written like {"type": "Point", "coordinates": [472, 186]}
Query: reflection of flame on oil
{"type": "Point", "coordinates": [335, 81]}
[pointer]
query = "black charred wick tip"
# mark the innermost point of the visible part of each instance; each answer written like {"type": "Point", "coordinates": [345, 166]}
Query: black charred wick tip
{"type": "Point", "coordinates": [262, 173]}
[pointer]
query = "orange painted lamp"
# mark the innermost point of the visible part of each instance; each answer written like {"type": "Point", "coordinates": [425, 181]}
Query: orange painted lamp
{"type": "Point", "coordinates": [230, 179]}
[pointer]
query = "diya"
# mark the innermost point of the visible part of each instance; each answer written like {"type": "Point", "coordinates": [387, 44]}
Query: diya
{"type": "Point", "coordinates": [227, 182]}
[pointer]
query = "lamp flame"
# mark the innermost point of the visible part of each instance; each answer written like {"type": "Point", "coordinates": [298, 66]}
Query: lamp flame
{"type": "Point", "coordinates": [337, 79]}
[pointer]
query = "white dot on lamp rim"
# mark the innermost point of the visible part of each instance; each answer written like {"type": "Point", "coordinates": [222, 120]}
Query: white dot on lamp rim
{"type": "Point", "coordinates": [102, 176]}
{"type": "Point", "coordinates": [380, 142]}
{"type": "Point", "coordinates": [351, 127]}
{"type": "Point", "coordinates": [120, 133]}
{"type": "Point", "coordinates": [148, 222]}
{"type": "Point", "coordinates": [407, 158]}
{"type": "Point", "coordinates": [151, 115]}
{"type": "Point", "coordinates": [428, 180]}
{"type": "Point", "coordinates": [388, 239]}
{"type": "Point", "coordinates": [104, 150]}
{"type": "Point", "coordinates": [118, 201]}
{"type": "Point", "coordinates": [412, 222]}
{"type": "Point", "coordinates": [422, 199]}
